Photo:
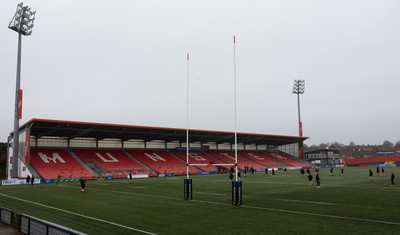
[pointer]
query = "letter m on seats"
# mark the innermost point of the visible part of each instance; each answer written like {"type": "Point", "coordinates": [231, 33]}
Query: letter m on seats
{"type": "Point", "coordinates": [54, 159]}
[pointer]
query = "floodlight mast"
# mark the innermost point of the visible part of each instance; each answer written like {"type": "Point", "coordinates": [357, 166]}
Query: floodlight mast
{"type": "Point", "coordinates": [298, 88]}
{"type": "Point", "coordinates": [22, 23]}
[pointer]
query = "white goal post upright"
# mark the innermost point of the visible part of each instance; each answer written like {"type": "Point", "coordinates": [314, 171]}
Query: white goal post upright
{"type": "Point", "coordinates": [187, 117]}
{"type": "Point", "coordinates": [234, 80]}
{"type": "Point", "coordinates": [187, 183]}
{"type": "Point", "coordinates": [236, 185]}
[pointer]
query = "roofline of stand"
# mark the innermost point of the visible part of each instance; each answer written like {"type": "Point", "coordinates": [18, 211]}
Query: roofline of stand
{"type": "Point", "coordinates": [33, 120]}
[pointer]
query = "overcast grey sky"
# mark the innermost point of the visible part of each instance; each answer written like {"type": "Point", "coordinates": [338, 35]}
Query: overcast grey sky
{"type": "Point", "coordinates": [125, 62]}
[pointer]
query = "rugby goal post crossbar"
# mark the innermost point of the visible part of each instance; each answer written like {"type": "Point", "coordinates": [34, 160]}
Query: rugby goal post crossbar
{"type": "Point", "coordinates": [224, 164]}
{"type": "Point", "coordinates": [206, 164]}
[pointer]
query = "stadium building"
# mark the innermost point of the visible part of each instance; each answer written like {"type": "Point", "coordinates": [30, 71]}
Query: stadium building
{"type": "Point", "coordinates": [323, 156]}
{"type": "Point", "coordinates": [69, 149]}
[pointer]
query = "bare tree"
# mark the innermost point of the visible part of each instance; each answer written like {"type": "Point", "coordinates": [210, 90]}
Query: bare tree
{"type": "Point", "coordinates": [313, 147]}
{"type": "Point", "coordinates": [336, 145]}
{"type": "Point", "coordinates": [388, 145]}
{"type": "Point", "coordinates": [305, 148]}
{"type": "Point", "coordinates": [397, 145]}
{"type": "Point", "coordinates": [323, 146]}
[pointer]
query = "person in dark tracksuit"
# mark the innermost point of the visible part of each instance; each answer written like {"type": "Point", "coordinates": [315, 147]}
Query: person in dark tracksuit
{"type": "Point", "coordinates": [370, 175]}
{"type": "Point", "coordinates": [28, 179]}
{"type": "Point", "coordinates": [392, 179]}
{"type": "Point", "coordinates": [58, 179]}
{"type": "Point", "coordinates": [318, 181]}
{"type": "Point", "coordinates": [83, 185]}
{"type": "Point", "coordinates": [310, 178]}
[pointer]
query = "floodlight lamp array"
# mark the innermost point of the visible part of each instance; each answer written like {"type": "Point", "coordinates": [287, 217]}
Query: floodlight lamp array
{"type": "Point", "coordinates": [22, 22]}
{"type": "Point", "coordinates": [298, 86]}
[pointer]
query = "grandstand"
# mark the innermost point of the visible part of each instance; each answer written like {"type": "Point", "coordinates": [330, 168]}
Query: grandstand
{"type": "Point", "coordinates": [98, 150]}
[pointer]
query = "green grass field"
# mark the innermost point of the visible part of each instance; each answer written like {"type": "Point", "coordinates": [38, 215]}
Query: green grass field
{"type": "Point", "coordinates": [283, 204]}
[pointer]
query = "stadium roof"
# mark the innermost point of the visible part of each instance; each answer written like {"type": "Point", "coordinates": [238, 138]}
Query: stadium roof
{"type": "Point", "coordinates": [99, 131]}
{"type": "Point", "coordinates": [322, 150]}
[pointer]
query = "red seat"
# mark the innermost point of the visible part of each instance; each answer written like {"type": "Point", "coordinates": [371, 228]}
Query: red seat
{"type": "Point", "coordinates": [50, 163]}
{"type": "Point", "coordinates": [162, 161]}
{"type": "Point", "coordinates": [111, 161]}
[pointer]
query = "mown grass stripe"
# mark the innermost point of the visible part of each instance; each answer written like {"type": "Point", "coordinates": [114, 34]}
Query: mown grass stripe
{"type": "Point", "coordinates": [258, 208]}
{"type": "Point", "coordinates": [311, 202]}
{"type": "Point", "coordinates": [77, 214]}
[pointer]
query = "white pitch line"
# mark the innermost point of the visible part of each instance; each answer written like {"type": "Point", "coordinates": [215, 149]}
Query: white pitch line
{"type": "Point", "coordinates": [122, 192]}
{"type": "Point", "coordinates": [143, 187]}
{"type": "Point", "coordinates": [77, 214]}
{"type": "Point", "coordinates": [323, 215]}
{"type": "Point", "coordinates": [303, 213]}
{"type": "Point", "coordinates": [322, 203]}
{"type": "Point", "coordinates": [138, 187]}
{"type": "Point", "coordinates": [257, 182]}
{"type": "Point", "coordinates": [217, 194]}
{"type": "Point", "coordinates": [100, 184]}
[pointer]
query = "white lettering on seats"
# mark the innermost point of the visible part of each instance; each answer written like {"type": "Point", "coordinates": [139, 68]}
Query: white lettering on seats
{"type": "Point", "coordinates": [112, 158]}
{"type": "Point", "coordinates": [197, 157]}
{"type": "Point", "coordinates": [255, 156]}
{"type": "Point", "coordinates": [154, 156]}
{"type": "Point", "coordinates": [47, 159]}
{"type": "Point", "coordinates": [277, 156]}
{"type": "Point", "coordinates": [227, 155]}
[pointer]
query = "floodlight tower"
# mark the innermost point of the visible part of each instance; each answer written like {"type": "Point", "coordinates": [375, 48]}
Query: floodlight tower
{"type": "Point", "coordinates": [22, 23]}
{"type": "Point", "coordinates": [298, 88]}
